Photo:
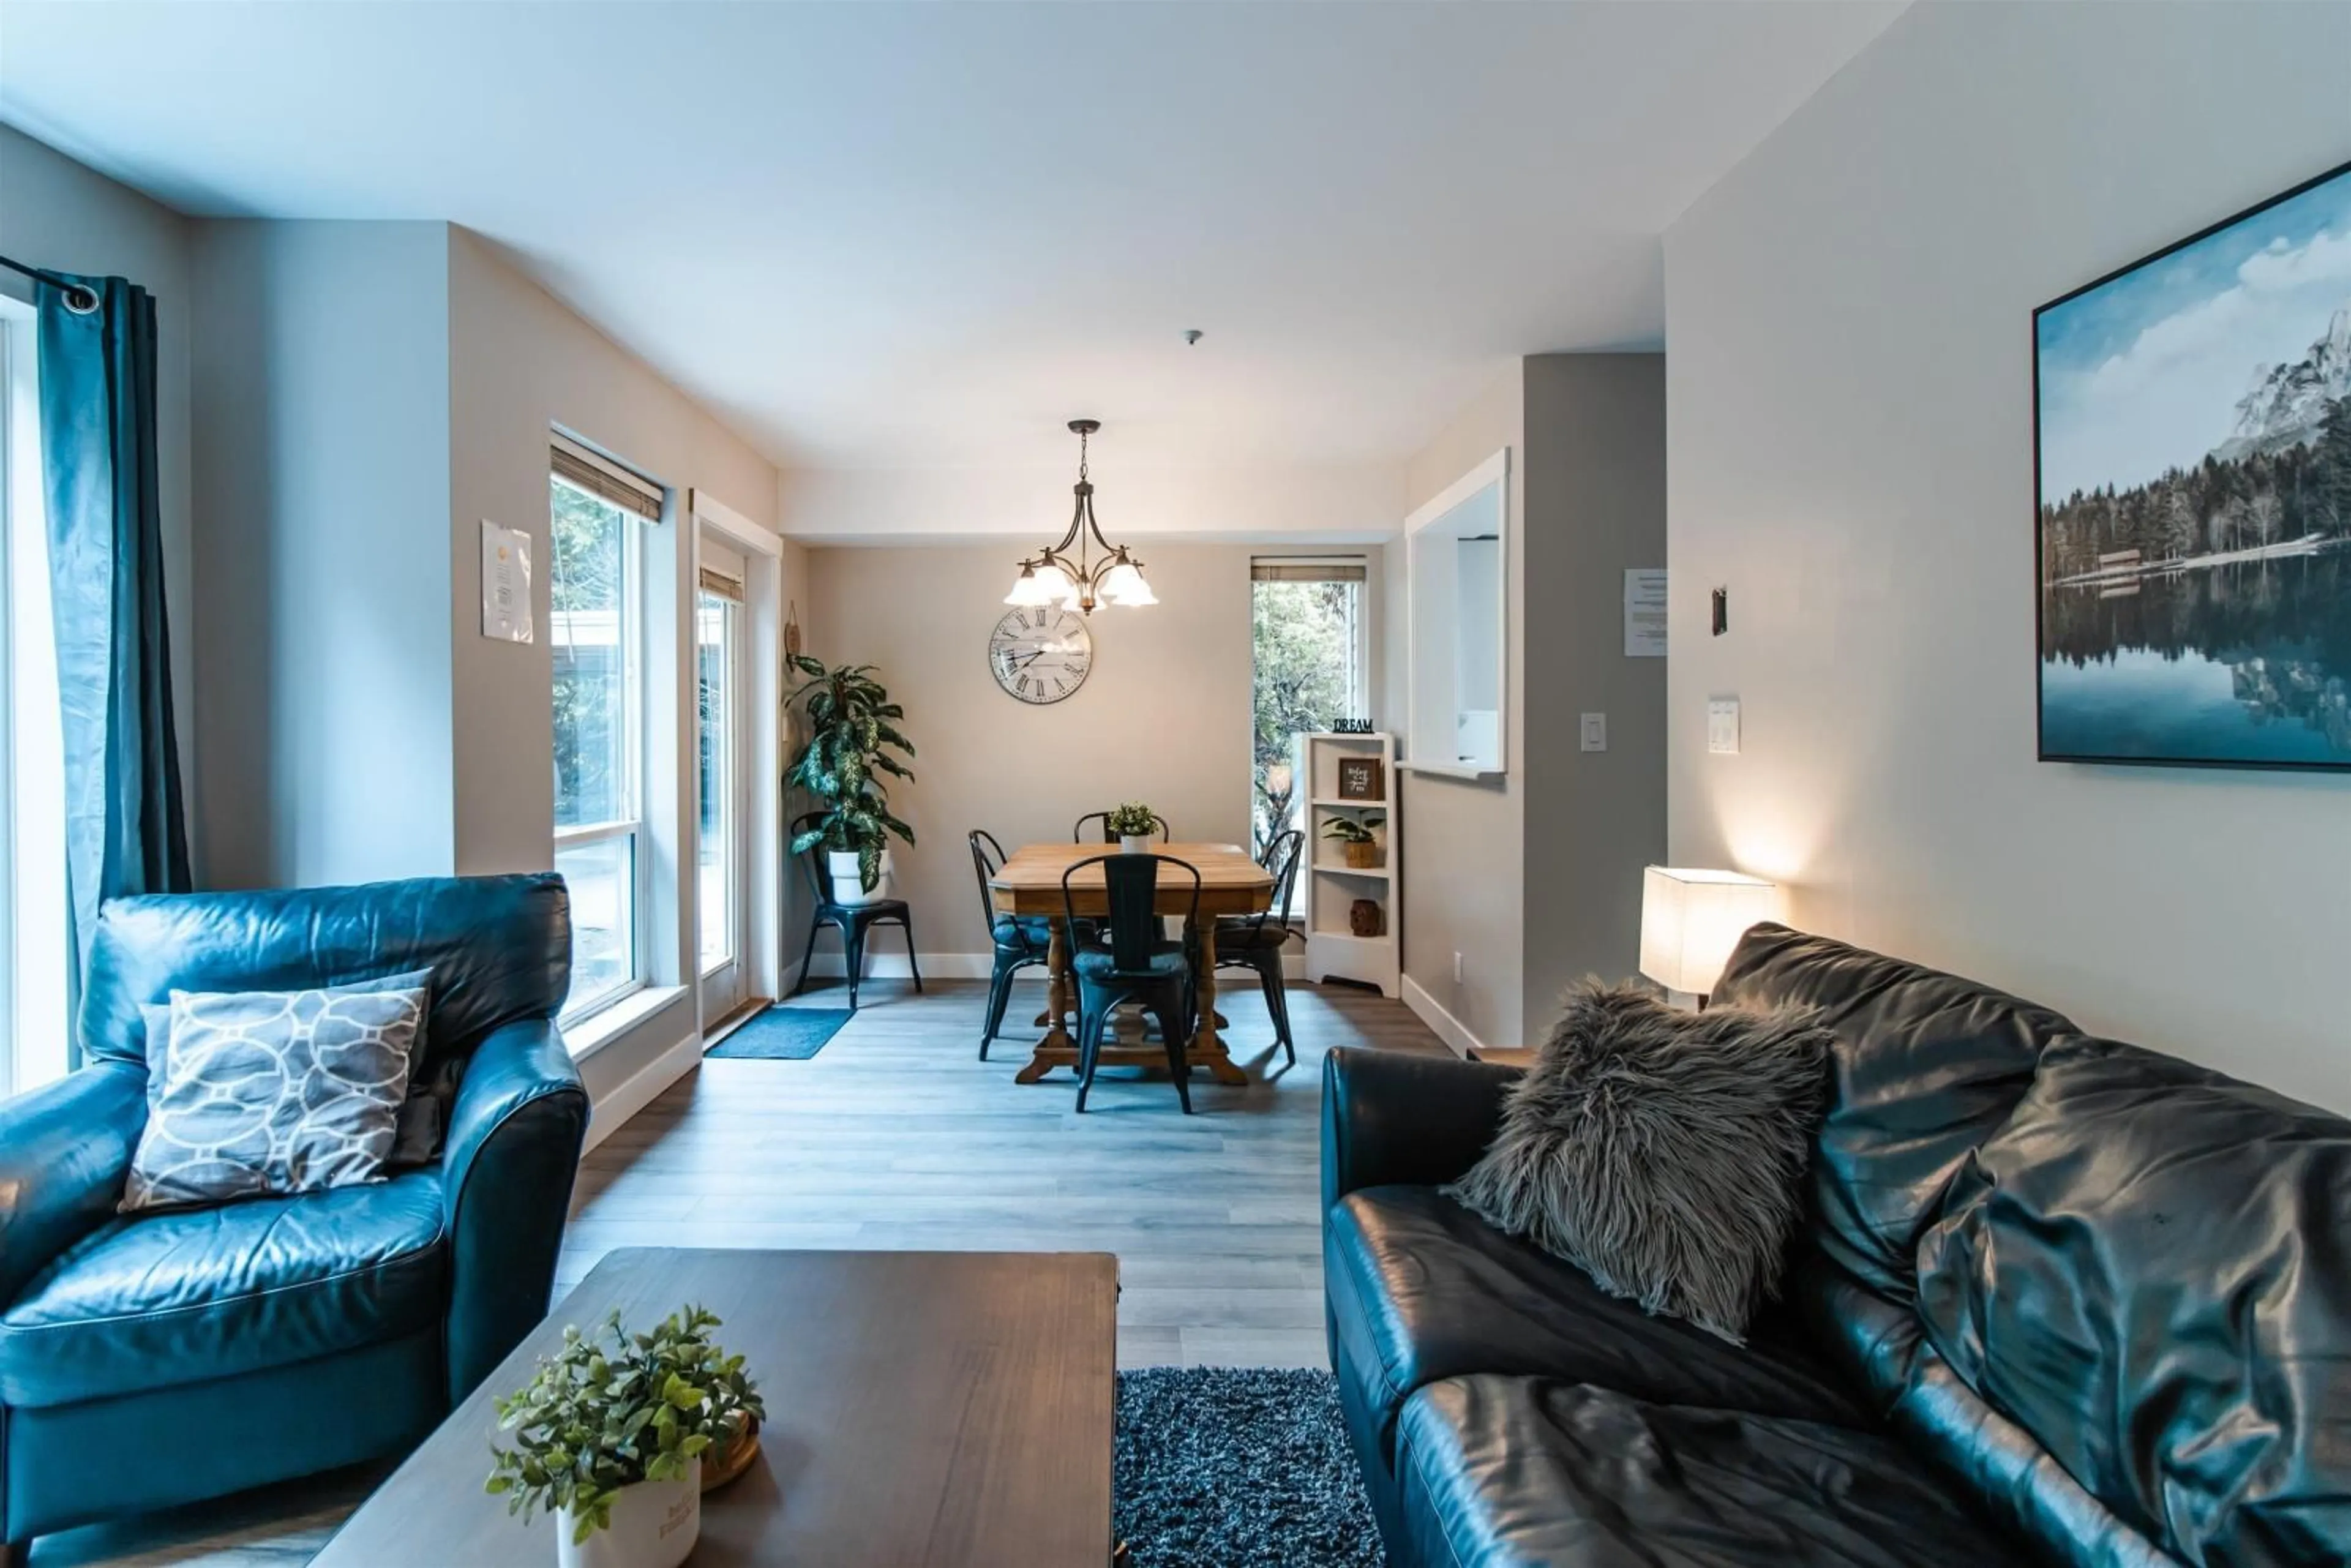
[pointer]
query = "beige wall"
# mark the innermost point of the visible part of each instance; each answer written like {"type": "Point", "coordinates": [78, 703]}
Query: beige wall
{"type": "Point", "coordinates": [1849, 396]}
{"type": "Point", "coordinates": [1595, 505]}
{"type": "Point", "coordinates": [57, 213]}
{"type": "Point", "coordinates": [1463, 848]}
{"type": "Point", "coordinates": [1164, 717]}
{"type": "Point", "coordinates": [520, 362]}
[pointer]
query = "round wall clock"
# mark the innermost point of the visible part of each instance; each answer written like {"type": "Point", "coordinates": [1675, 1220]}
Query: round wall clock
{"type": "Point", "coordinates": [1041, 653]}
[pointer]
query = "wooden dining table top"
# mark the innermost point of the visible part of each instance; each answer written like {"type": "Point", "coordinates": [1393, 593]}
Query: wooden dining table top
{"type": "Point", "coordinates": [1029, 880]}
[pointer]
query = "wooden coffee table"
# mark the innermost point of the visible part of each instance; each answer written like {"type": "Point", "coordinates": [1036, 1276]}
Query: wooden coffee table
{"type": "Point", "coordinates": [922, 1408]}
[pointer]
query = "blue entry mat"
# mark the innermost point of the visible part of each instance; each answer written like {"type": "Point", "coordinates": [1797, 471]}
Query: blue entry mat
{"type": "Point", "coordinates": [783, 1034]}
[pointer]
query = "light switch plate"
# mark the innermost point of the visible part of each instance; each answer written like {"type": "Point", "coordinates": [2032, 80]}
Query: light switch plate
{"type": "Point", "coordinates": [1595, 732]}
{"type": "Point", "coordinates": [1722, 725]}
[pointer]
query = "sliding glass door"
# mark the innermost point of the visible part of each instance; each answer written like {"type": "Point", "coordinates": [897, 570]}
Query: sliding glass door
{"type": "Point", "coordinates": [723, 880]}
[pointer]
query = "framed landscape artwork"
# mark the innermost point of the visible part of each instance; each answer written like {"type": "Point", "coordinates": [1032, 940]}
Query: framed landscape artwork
{"type": "Point", "coordinates": [2192, 456]}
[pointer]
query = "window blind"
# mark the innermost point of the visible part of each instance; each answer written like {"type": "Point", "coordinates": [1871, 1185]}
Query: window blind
{"type": "Point", "coordinates": [601, 477]}
{"type": "Point", "coordinates": [1308, 569]}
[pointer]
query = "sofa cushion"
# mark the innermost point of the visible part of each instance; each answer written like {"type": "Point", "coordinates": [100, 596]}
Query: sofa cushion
{"type": "Point", "coordinates": [2146, 1270]}
{"type": "Point", "coordinates": [1926, 1066]}
{"type": "Point", "coordinates": [156, 1300]}
{"type": "Point", "coordinates": [1660, 1151]}
{"type": "Point", "coordinates": [1420, 1288]}
{"type": "Point", "coordinates": [1528, 1471]}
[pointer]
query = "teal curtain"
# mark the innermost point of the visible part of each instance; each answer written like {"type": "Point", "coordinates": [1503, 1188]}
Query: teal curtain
{"type": "Point", "coordinates": [125, 829]}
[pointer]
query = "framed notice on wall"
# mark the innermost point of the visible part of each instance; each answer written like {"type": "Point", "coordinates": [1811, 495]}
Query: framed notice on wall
{"type": "Point", "coordinates": [506, 583]}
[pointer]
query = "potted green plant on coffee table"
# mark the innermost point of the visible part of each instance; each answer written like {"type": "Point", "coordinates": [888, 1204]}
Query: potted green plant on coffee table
{"type": "Point", "coordinates": [1133, 823]}
{"type": "Point", "coordinates": [1357, 841]}
{"type": "Point", "coordinates": [613, 1434]}
{"type": "Point", "coordinates": [852, 730]}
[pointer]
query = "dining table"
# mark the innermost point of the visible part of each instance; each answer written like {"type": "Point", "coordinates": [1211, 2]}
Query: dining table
{"type": "Point", "coordinates": [1029, 883]}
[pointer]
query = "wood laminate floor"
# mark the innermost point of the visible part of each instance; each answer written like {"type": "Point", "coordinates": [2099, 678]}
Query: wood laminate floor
{"type": "Point", "coordinates": [896, 1135]}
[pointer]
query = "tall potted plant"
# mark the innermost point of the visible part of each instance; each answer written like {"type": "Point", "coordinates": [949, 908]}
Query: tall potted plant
{"type": "Point", "coordinates": [851, 732]}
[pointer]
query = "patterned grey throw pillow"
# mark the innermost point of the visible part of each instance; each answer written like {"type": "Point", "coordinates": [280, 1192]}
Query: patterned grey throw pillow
{"type": "Point", "coordinates": [1661, 1152]}
{"type": "Point", "coordinates": [268, 1092]}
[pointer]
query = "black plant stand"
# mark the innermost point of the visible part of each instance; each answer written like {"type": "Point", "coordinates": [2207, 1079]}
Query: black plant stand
{"type": "Point", "coordinates": [855, 920]}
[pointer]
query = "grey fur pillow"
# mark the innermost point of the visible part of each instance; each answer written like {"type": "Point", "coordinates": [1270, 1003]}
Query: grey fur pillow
{"type": "Point", "coordinates": [1659, 1150]}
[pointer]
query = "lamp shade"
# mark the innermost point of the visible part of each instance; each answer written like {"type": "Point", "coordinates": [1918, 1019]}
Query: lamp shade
{"type": "Point", "coordinates": [1690, 920]}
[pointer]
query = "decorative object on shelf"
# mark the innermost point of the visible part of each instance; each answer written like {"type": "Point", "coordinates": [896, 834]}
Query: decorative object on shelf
{"type": "Point", "coordinates": [851, 732]}
{"type": "Point", "coordinates": [1053, 576]}
{"type": "Point", "coordinates": [1352, 727]}
{"type": "Point", "coordinates": [2194, 509]}
{"type": "Point", "coordinates": [1361, 779]}
{"type": "Point", "coordinates": [1365, 918]}
{"type": "Point", "coordinates": [1690, 920]}
{"type": "Point", "coordinates": [1135, 823]}
{"type": "Point", "coordinates": [791, 629]}
{"type": "Point", "coordinates": [1356, 838]}
{"type": "Point", "coordinates": [1041, 653]}
{"type": "Point", "coordinates": [611, 1434]}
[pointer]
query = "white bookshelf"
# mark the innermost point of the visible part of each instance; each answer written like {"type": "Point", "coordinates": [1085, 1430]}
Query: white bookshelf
{"type": "Point", "coordinates": [1329, 886]}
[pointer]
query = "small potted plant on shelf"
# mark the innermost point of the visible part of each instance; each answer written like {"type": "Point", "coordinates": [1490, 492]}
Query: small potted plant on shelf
{"type": "Point", "coordinates": [1133, 823]}
{"type": "Point", "coordinates": [1356, 838]}
{"type": "Point", "coordinates": [852, 728]}
{"type": "Point", "coordinates": [613, 1434]}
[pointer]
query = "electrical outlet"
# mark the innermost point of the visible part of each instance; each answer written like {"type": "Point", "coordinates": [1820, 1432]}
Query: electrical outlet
{"type": "Point", "coordinates": [1595, 732]}
{"type": "Point", "coordinates": [1457, 969]}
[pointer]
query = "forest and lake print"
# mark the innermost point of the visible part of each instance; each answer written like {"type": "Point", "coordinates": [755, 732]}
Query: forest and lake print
{"type": "Point", "coordinates": [2193, 414]}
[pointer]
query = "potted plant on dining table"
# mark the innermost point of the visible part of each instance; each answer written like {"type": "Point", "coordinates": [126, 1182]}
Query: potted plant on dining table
{"type": "Point", "coordinates": [1133, 823]}
{"type": "Point", "coordinates": [615, 1434]}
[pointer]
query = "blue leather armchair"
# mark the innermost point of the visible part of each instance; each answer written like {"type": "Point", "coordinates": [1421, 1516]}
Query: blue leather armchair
{"type": "Point", "coordinates": [156, 1359]}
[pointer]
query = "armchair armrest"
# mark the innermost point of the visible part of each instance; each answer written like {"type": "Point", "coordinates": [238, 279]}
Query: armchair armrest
{"type": "Point", "coordinates": [515, 1133]}
{"type": "Point", "coordinates": [65, 1150]}
{"type": "Point", "coordinates": [1417, 1121]}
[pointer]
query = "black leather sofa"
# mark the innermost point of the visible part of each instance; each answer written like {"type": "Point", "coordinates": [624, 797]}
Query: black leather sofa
{"type": "Point", "coordinates": [2058, 1299]}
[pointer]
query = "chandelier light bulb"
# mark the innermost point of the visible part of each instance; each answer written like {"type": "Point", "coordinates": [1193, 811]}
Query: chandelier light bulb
{"type": "Point", "coordinates": [1028, 589]}
{"type": "Point", "coordinates": [1054, 584]}
{"type": "Point", "coordinates": [1123, 584]}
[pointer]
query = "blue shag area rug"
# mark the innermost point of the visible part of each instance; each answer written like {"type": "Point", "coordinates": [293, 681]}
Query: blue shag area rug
{"type": "Point", "coordinates": [783, 1034]}
{"type": "Point", "coordinates": [1225, 1467]}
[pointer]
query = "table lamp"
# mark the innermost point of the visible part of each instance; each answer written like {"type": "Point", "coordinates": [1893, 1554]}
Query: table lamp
{"type": "Point", "coordinates": [1690, 920]}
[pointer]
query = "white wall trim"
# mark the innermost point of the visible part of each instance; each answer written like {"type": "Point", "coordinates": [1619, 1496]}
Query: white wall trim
{"type": "Point", "coordinates": [1450, 1030]}
{"type": "Point", "coordinates": [637, 1092]}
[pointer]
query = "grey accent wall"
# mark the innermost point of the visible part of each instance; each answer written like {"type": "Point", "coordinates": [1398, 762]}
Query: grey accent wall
{"type": "Point", "coordinates": [323, 483]}
{"type": "Point", "coordinates": [57, 213]}
{"type": "Point", "coordinates": [1464, 843]}
{"type": "Point", "coordinates": [1849, 400]}
{"type": "Point", "coordinates": [1595, 505]}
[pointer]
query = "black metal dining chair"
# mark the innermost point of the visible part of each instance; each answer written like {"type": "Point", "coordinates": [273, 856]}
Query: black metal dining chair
{"type": "Point", "coordinates": [1134, 962]}
{"type": "Point", "coordinates": [1078, 834]}
{"type": "Point", "coordinates": [1258, 941]}
{"type": "Point", "coordinates": [853, 919]}
{"type": "Point", "coordinates": [1020, 940]}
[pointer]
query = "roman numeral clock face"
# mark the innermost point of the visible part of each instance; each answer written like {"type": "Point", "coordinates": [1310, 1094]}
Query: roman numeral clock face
{"type": "Point", "coordinates": [1040, 654]}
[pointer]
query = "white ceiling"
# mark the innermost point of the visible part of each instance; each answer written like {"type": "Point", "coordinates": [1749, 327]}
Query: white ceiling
{"type": "Point", "coordinates": [875, 234]}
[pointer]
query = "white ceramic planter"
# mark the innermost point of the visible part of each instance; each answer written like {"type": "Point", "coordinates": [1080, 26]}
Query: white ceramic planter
{"type": "Point", "coordinates": [847, 887]}
{"type": "Point", "coordinates": [655, 1525]}
{"type": "Point", "coordinates": [1134, 843]}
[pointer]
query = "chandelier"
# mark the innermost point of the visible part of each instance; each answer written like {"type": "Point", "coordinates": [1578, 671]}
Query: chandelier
{"type": "Point", "coordinates": [1053, 576]}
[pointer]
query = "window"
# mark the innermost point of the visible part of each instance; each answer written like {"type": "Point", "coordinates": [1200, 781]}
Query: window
{"type": "Point", "coordinates": [35, 962]}
{"type": "Point", "coordinates": [1310, 636]}
{"type": "Point", "coordinates": [595, 591]}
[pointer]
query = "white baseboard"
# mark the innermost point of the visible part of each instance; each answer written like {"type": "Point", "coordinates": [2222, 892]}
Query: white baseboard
{"type": "Point", "coordinates": [953, 967]}
{"type": "Point", "coordinates": [643, 1088]}
{"type": "Point", "coordinates": [1450, 1030]}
